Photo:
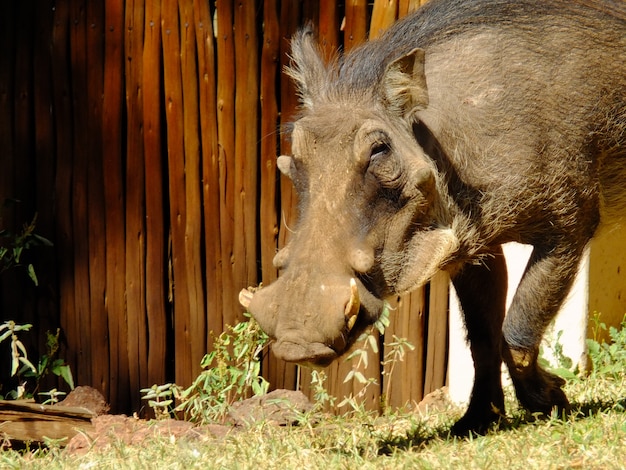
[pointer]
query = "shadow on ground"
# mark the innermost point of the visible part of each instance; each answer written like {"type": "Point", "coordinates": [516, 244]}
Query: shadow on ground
{"type": "Point", "coordinates": [422, 437]}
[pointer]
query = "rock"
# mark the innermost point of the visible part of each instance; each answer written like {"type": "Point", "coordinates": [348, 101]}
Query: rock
{"type": "Point", "coordinates": [86, 397]}
{"type": "Point", "coordinates": [280, 407]}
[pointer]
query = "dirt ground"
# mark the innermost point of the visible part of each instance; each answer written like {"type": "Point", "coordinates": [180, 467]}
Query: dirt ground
{"type": "Point", "coordinates": [279, 407]}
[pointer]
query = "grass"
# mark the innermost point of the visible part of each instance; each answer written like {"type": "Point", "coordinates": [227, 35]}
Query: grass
{"type": "Point", "coordinates": [592, 436]}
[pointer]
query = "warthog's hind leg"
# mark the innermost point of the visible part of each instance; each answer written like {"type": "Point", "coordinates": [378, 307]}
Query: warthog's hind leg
{"type": "Point", "coordinates": [544, 286]}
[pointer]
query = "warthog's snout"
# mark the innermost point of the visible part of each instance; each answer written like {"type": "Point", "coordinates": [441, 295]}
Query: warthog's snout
{"type": "Point", "coordinates": [313, 327]}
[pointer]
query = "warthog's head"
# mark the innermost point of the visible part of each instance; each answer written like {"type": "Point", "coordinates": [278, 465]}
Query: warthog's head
{"type": "Point", "coordinates": [369, 213]}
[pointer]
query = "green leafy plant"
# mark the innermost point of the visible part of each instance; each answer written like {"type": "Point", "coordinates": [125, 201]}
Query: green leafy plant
{"type": "Point", "coordinates": [160, 399]}
{"type": "Point", "coordinates": [24, 369]}
{"type": "Point", "coordinates": [9, 329]}
{"type": "Point", "coordinates": [49, 365]}
{"type": "Point", "coordinates": [396, 350]}
{"type": "Point", "coordinates": [231, 372]}
{"type": "Point", "coordinates": [608, 359]}
{"type": "Point", "coordinates": [53, 396]}
{"type": "Point", "coordinates": [13, 246]}
{"type": "Point", "coordinates": [320, 392]}
{"type": "Point", "coordinates": [563, 365]}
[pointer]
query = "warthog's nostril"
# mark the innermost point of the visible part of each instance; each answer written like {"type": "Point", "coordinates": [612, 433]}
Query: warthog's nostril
{"type": "Point", "coordinates": [351, 309]}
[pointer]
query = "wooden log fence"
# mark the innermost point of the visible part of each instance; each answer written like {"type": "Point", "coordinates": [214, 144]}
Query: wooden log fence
{"type": "Point", "coordinates": [144, 133]}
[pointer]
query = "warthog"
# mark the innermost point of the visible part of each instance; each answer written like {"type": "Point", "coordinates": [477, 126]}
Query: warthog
{"type": "Point", "coordinates": [468, 124]}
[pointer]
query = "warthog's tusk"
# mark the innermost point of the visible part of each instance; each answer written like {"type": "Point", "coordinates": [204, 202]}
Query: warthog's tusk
{"type": "Point", "coordinates": [245, 297]}
{"type": "Point", "coordinates": [354, 304]}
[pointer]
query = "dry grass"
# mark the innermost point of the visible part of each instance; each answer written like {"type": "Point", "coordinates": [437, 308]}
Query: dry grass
{"type": "Point", "coordinates": [594, 436]}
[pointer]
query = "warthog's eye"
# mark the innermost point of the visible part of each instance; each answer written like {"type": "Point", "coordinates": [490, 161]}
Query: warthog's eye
{"type": "Point", "coordinates": [379, 150]}
{"type": "Point", "coordinates": [384, 166]}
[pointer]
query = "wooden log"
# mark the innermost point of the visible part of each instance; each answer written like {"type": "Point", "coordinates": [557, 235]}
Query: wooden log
{"type": "Point", "coordinates": [355, 28]}
{"type": "Point", "coordinates": [437, 341]}
{"type": "Point", "coordinates": [289, 20]}
{"type": "Point", "coordinates": [135, 281]}
{"type": "Point", "coordinates": [384, 14]}
{"type": "Point", "coordinates": [27, 421]}
{"type": "Point", "coordinates": [403, 380]}
{"type": "Point", "coordinates": [246, 148]}
{"type": "Point", "coordinates": [197, 335]}
{"type": "Point", "coordinates": [207, 83]}
{"type": "Point", "coordinates": [176, 178]}
{"type": "Point", "coordinates": [13, 48]}
{"type": "Point", "coordinates": [226, 137]}
{"type": "Point", "coordinates": [114, 205]}
{"type": "Point", "coordinates": [63, 175]}
{"type": "Point", "coordinates": [270, 67]}
{"type": "Point", "coordinates": [155, 237]}
{"type": "Point", "coordinates": [98, 327]}
{"type": "Point", "coordinates": [80, 325]}
{"type": "Point", "coordinates": [328, 29]}
{"type": "Point", "coordinates": [46, 267]}
{"type": "Point", "coordinates": [7, 46]}
{"type": "Point", "coordinates": [408, 6]}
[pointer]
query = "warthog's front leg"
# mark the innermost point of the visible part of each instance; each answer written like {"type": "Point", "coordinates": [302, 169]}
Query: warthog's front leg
{"type": "Point", "coordinates": [481, 289]}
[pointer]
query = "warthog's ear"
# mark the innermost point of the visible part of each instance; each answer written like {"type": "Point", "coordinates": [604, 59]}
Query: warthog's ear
{"type": "Point", "coordinates": [307, 68]}
{"type": "Point", "coordinates": [404, 83]}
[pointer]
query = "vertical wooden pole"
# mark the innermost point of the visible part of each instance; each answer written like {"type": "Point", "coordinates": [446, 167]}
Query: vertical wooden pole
{"type": "Point", "coordinates": [64, 123]}
{"type": "Point", "coordinates": [226, 138]}
{"type": "Point", "coordinates": [246, 144]}
{"type": "Point", "coordinates": [176, 174]}
{"type": "Point", "coordinates": [270, 63]}
{"type": "Point", "coordinates": [7, 46]}
{"type": "Point", "coordinates": [114, 203]}
{"type": "Point", "coordinates": [193, 258]}
{"type": "Point", "coordinates": [355, 29]}
{"type": "Point", "coordinates": [437, 343]}
{"type": "Point", "coordinates": [78, 337]}
{"type": "Point", "coordinates": [328, 29]}
{"type": "Point", "coordinates": [408, 6]}
{"type": "Point", "coordinates": [403, 381]}
{"type": "Point", "coordinates": [384, 14]}
{"type": "Point", "coordinates": [47, 263]}
{"type": "Point", "coordinates": [155, 225]}
{"type": "Point", "coordinates": [18, 137]}
{"type": "Point", "coordinates": [98, 327]}
{"type": "Point", "coordinates": [207, 74]}
{"type": "Point", "coordinates": [135, 215]}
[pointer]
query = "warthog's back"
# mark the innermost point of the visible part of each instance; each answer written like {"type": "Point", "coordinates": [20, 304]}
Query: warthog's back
{"type": "Point", "coordinates": [529, 106]}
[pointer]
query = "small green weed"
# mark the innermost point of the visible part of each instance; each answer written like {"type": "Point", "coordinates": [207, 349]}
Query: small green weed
{"type": "Point", "coordinates": [608, 359]}
{"type": "Point", "coordinates": [13, 246]}
{"type": "Point", "coordinates": [46, 364]}
{"type": "Point", "coordinates": [232, 371]}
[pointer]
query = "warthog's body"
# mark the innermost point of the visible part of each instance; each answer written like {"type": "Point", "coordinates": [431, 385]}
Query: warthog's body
{"type": "Point", "coordinates": [469, 124]}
